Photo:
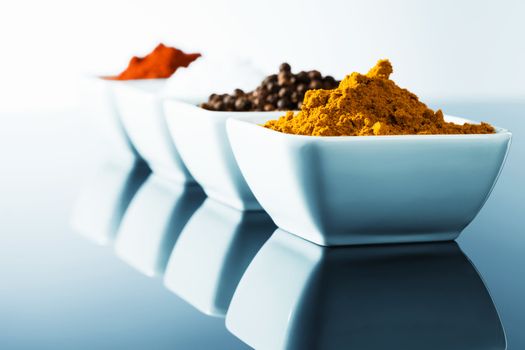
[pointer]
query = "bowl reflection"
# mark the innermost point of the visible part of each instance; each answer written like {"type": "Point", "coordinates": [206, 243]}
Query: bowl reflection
{"type": "Point", "coordinates": [297, 295]}
{"type": "Point", "coordinates": [153, 222]}
{"type": "Point", "coordinates": [101, 205]}
{"type": "Point", "coordinates": [212, 253]}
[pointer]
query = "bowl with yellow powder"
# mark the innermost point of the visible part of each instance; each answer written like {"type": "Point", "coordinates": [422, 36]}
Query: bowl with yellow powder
{"type": "Point", "coordinates": [369, 163]}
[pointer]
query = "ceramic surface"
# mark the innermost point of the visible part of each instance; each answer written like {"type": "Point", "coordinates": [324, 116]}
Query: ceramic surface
{"type": "Point", "coordinates": [140, 106]}
{"type": "Point", "coordinates": [201, 139]}
{"type": "Point", "coordinates": [367, 190]}
{"type": "Point", "coordinates": [106, 118]}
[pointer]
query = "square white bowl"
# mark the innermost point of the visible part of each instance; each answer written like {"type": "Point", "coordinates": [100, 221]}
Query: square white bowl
{"type": "Point", "coordinates": [140, 106]}
{"type": "Point", "coordinates": [201, 139]}
{"type": "Point", "coordinates": [371, 189]}
{"type": "Point", "coordinates": [106, 118]}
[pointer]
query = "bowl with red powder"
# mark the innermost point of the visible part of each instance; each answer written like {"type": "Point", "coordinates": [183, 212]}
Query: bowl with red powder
{"type": "Point", "coordinates": [368, 163]}
{"type": "Point", "coordinates": [161, 63]}
{"type": "Point", "coordinates": [138, 93]}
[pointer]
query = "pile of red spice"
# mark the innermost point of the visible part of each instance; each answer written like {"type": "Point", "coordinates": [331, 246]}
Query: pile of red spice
{"type": "Point", "coordinates": [160, 63]}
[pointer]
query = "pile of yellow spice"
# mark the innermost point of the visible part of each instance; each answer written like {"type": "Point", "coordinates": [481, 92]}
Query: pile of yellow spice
{"type": "Point", "coordinates": [365, 105]}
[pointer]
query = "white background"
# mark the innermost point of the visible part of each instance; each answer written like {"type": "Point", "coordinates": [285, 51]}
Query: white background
{"type": "Point", "coordinates": [440, 49]}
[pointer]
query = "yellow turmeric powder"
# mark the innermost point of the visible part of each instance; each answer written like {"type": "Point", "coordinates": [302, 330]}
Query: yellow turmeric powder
{"type": "Point", "coordinates": [370, 104]}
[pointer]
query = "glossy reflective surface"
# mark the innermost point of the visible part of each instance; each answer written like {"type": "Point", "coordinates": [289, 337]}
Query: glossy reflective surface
{"type": "Point", "coordinates": [215, 248]}
{"type": "Point", "coordinates": [99, 253]}
{"type": "Point", "coordinates": [296, 295]}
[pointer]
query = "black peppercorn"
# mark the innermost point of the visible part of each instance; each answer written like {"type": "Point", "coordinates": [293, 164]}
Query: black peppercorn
{"type": "Point", "coordinates": [242, 104]}
{"type": "Point", "coordinates": [268, 107]}
{"type": "Point", "coordinates": [314, 74]}
{"type": "Point", "coordinates": [284, 78]}
{"type": "Point", "coordinates": [315, 84]}
{"type": "Point", "coordinates": [302, 77]}
{"type": "Point", "coordinates": [257, 103]}
{"type": "Point", "coordinates": [272, 99]}
{"type": "Point", "coordinates": [270, 79]}
{"type": "Point", "coordinates": [282, 91]}
{"type": "Point", "coordinates": [283, 103]}
{"type": "Point", "coordinates": [301, 88]}
{"type": "Point", "coordinates": [218, 106]}
{"type": "Point", "coordinates": [329, 79]}
{"type": "Point", "coordinates": [238, 92]}
{"type": "Point", "coordinates": [272, 87]}
{"type": "Point", "coordinates": [285, 67]}
{"type": "Point", "coordinates": [229, 100]}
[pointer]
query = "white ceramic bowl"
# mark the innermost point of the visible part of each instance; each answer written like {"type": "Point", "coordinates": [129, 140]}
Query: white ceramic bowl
{"type": "Point", "coordinates": [212, 252]}
{"type": "Point", "coordinates": [298, 295]}
{"type": "Point", "coordinates": [106, 118]}
{"type": "Point", "coordinates": [201, 139]}
{"type": "Point", "coordinates": [140, 106]}
{"type": "Point", "coordinates": [373, 189]}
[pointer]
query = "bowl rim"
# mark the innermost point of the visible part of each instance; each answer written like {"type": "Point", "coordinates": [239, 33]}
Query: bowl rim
{"type": "Point", "coordinates": [269, 132]}
{"type": "Point", "coordinates": [113, 78]}
{"type": "Point", "coordinates": [194, 104]}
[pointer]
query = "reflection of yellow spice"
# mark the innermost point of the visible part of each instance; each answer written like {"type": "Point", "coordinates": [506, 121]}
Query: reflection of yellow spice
{"type": "Point", "coordinates": [370, 104]}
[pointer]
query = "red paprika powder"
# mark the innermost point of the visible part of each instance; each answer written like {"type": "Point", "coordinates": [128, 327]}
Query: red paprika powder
{"type": "Point", "coordinates": [160, 63]}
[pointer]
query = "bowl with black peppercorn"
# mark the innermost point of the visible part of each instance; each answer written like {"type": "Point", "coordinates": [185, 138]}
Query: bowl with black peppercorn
{"type": "Point", "coordinates": [199, 130]}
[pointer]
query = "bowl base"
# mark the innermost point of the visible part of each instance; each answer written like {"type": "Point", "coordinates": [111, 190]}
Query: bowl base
{"type": "Point", "coordinates": [354, 238]}
{"type": "Point", "coordinates": [236, 203]}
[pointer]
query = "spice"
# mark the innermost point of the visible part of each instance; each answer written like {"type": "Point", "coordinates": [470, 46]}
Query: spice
{"type": "Point", "coordinates": [162, 62]}
{"type": "Point", "coordinates": [370, 104]}
{"type": "Point", "coordinates": [282, 91]}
